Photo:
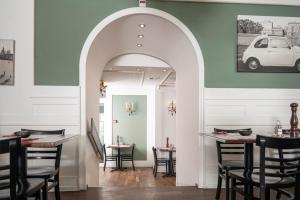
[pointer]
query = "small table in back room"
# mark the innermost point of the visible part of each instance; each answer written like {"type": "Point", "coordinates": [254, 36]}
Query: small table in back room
{"type": "Point", "coordinates": [170, 172]}
{"type": "Point", "coordinates": [119, 147]}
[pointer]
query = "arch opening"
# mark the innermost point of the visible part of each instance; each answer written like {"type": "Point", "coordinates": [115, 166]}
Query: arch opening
{"type": "Point", "coordinates": [167, 39]}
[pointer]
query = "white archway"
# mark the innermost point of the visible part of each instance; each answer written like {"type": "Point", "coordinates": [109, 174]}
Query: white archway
{"type": "Point", "coordinates": [190, 90]}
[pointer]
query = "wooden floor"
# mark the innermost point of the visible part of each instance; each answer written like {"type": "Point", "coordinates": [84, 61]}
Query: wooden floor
{"type": "Point", "coordinates": [141, 177]}
{"type": "Point", "coordinates": [151, 193]}
{"type": "Point", "coordinates": [139, 185]}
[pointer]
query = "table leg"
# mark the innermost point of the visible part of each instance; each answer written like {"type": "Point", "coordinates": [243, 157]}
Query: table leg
{"type": "Point", "coordinates": [248, 169]}
{"type": "Point", "coordinates": [23, 163]}
{"type": "Point", "coordinates": [119, 159]}
{"type": "Point", "coordinates": [171, 170]}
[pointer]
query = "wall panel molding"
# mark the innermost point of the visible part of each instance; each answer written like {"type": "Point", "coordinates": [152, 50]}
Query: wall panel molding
{"type": "Point", "coordinates": [242, 108]}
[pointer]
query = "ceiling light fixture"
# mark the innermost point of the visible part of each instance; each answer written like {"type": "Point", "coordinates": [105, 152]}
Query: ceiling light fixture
{"type": "Point", "coordinates": [140, 36]}
{"type": "Point", "coordinates": [139, 45]}
{"type": "Point", "coordinates": [142, 25]}
{"type": "Point", "coordinates": [164, 70]}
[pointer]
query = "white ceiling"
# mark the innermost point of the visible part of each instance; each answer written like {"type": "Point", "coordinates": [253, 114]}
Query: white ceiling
{"type": "Point", "coordinates": [138, 70]}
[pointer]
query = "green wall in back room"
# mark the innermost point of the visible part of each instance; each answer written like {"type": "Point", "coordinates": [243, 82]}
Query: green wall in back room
{"type": "Point", "coordinates": [61, 27]}
{"type": "Point", "coordinates": [131, 129]}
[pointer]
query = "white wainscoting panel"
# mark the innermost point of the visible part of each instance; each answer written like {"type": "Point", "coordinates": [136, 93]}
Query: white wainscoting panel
{"type": "Point", "coordinates": [48, 108]}
{"type": "Point", "coordinates": [243, 108]}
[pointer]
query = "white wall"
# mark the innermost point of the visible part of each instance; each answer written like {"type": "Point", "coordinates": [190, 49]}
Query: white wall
{"type": "Point", "coordinates": [242, 108]}
{"type": "Point", "coordinates": [38, 107]}
{"type": "Point", "coordinates": [165, 123]}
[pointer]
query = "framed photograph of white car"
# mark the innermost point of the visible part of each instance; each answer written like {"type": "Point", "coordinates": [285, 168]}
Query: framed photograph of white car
{"type": "Point", "coordinates": [268, 44]}
{"type": "Point", "coordinates": [7, 62]}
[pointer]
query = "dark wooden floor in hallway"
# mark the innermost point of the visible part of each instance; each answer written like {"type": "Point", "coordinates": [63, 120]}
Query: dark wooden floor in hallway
{"type": "Point", "coordinates": [139, 185]}
{"type": "Point", "coordinates": [150, 193]}
{"type": "Point", "coordinates": [141, 177]}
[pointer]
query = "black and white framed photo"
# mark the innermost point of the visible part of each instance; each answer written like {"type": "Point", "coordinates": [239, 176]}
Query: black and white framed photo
{"type": "Point", "coordinates": [268, 44]}
{"type": "Point", "coordinates": [7, 62]}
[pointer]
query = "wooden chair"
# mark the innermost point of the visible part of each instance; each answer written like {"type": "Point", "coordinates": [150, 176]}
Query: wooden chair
{"type": "Point", "coordinates": [50, 174]}
{"type": "Point", "coordinates": [13, 186]}
{"type": "Point", "coordinates": [109, 157]}
{"type": "Point", "coordinates": [224, 166]}
{"type": "Point", "coordinates": [272, 173]}
{"type": "Point", "coordinates": [286, 154]}
{"type": "Point", "coordinates": [159, 162]}
{"type": "Point", "coordinates": [128, 157]}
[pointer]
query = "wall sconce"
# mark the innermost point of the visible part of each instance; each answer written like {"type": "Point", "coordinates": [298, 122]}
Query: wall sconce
{"type": "Point", "coordinates": [130, 108]}
{"type": "Point", "coordinates": [172, 108]}
{"type": "Point", "coordinates": [102, 88]}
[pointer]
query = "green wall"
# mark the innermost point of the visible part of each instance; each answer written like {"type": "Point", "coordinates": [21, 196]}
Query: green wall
{"type": "Point", "coordinates": [131, 129]}
{"type": "Point", "coordinates": [61, 27]}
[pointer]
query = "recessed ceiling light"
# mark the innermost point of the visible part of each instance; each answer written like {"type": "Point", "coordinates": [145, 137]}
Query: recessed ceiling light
{"type": "Point", "coordinates": [164, 70]}
{"type": "Point", "coordinates": [140, 36]}
{"type": "Point", "coordinates": [142, 25]}
{"type": "Point", "coordinates": [139, 45]}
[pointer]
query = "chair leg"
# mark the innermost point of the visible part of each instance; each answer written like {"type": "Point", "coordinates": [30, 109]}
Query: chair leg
{"type": "Point", "coordinates": [297, 191]}
{"type": "Point", "coordinates": [166, 168]}
{"type": "Point", "coordinates": [278, 195]}
{"type": "Point", "coordinates": [45, 190]}
{"type": "Point", "coordinates": [57, 189]}
{"type": "Point", "coordinates": [38, 195]}
{"type": "Point", "coordinates": [227, 186]}
{"type": "Point", "coordinates": [104, 165]}
{"type": "Point", "coordinates": [155, 170]}
{"type": "Point", "coordinates": [218, 192]}
{"type": "Point", "coordinates": [232, 189]}
{"type": "Point", "coordinates": [133, 164]}
{"type": "Point", "coordinates": [268, 194]}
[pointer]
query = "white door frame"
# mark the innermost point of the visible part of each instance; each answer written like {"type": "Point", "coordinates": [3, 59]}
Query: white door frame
{"type": "Point", "coordinates": [82, 76]}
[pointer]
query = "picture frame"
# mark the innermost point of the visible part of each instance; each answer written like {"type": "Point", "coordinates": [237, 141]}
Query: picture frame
{"type": "Point", "coordinates": [268, 44]}
{"type": "Point", "coordinates": [7, 62]}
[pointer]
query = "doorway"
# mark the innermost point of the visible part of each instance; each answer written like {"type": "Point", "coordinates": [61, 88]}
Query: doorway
{"type": "Point", "coordinates": [149, 90]}
{"type": "Point", "coordinates": [168, 39]}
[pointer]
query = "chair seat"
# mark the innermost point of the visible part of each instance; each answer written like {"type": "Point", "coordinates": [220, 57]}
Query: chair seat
{"type": "Point", "coordinates": [232, 164]}
{"type": "Point", "coordinates": [126, 155]}
{"type": "Point", "coordinates": [30, 188]}
{"type": "Point", "coordinates": [162, 160]}
{"type": "Point", "coordinates": [111, 155]}
{"type": "Point", "coordinates": [270, 181]}
{"type": "Point", "coordinates": [41, 172]}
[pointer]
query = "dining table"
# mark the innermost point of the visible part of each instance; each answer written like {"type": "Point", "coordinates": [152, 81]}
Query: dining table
{"type": "Point", "coordinates": [40, 141]}
{"type": "Point", "coordinates": [248, 142]}
{"type": "Point", "coordinates": [170, 150]}
{"type": "Point", "coordinates": [119, 147]}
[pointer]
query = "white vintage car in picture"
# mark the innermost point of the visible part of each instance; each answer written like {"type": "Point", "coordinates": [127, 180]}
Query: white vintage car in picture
{"type": "Point", "coordinates": [272, 51]}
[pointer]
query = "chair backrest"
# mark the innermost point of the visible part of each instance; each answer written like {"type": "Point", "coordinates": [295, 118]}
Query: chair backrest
{"type": "Point", "coordinates": [9, 172]}
{"type": "Point", "coordinates": [104, 150]}
{"type": "Point", "coordinates": [132, 150]}
{"type": "Point", "coordinates": [271, 166]}
{"type": "Point", "coordinates": [228, 148]}
{"type": "Point", "coordinates": [282, 153]}
{"type": "Point", "coordinates": [47, 153]}
{"type": "Point", "coordinates": [154, 154]}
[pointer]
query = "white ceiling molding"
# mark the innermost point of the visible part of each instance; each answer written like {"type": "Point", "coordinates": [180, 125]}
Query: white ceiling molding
{"type": "Point", "coordinates": [268, 2]}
